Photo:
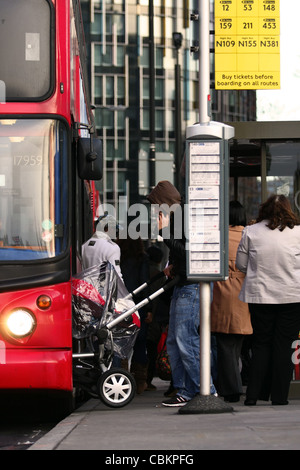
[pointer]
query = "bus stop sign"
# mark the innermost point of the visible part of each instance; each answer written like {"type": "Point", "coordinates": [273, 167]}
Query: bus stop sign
{"type": "Point", "coordinates": [207, 205]}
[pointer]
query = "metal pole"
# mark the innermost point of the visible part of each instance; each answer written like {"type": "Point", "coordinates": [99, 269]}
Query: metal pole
{"type": "Point", "coordinates": [204, 62]}
{"type": "Point", "coordinates": [151, 98]}
{"type": "Point", "coordinates": [178, 124]}
{"type": "Point", "coordinates": [205, 372]}
{"type": "Point", "coordinates": [204, 402]}
{"type": "Point", "coordinates": [204, 94]}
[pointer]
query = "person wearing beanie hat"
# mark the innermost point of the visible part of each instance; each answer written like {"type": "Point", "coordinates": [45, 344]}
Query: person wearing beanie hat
{"type": "Point", "coordinates": [183, 345]}
{"type": "Point", "coordinates": [164, 193]}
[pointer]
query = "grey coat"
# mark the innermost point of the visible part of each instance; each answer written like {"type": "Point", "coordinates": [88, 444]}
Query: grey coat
{"type": "Point", "coordinates": [271, 261]}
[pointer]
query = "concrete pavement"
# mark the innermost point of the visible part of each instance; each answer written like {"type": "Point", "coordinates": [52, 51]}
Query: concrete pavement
{"type": "Point", "coordinates": [145, 424]}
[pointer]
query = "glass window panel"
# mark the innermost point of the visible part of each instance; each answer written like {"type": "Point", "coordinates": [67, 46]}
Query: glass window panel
{"type": "Point", "coordinates": [248, 194]}
{"type": "Point", "coordinates": [33, 189]}
{"type": "Point", "coordinates": [120, 56]}
{"type": "Point", "coordinates": [97, 55]}
{"type": "Point", "coordinates": [96, 26]}
{"type": "Point", "coordinates": [159, 120]}
{"type": "Point", "coordinates": [121, 119]}
{"type": "Point", "coordinates": [119, 21]}
{"type": "Point", "coordinates": [109, 23]}
{"type": "Point", "coordinates": [107, 58]}
{"type": "Point", "coordinates": [146, 123]}
{"type": "Point", "coordinates": [109, 4]}
{"type": "Point", "coordinates": [109, 181]}
{"type": "Point", "coordinates": [113, 153]}
{"type": "Point", "coordinates": [104, 118]}
{"type": "Point", "coordinates": [109, 86]}
{"type": "Point", "coordinates": [120, 181]}
{"type": "Point", "coordinates": [283, 170]}
{"type": "Point", "coordinates": [146, 92]}
{"type": "Point", "coordinates": [159, 89]}
{"type": "Point", "coordinates": [98, 82]}
{"type": "Point", "coordinates": [120, 87]}
{"type": "Point", "coordinates": [26, 49]}
{"type": "Point", "coordinates": [159, 57]}
{"type": "Point", "coordinates": [144, 59]}
{"type": "Point", "coordinates": [120, 152]}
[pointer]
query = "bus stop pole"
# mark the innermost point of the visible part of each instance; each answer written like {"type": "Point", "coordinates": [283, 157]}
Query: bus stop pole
{"type": "Point", "coordinates": [204, 62]}
{"type": "Point", "coordinates": [204, 117]}
{"type": "Point", "coordinates": [204, 402]}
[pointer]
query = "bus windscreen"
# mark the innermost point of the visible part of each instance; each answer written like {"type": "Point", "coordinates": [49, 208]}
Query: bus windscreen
{"type": "Point", "coordinates": [33, 189]}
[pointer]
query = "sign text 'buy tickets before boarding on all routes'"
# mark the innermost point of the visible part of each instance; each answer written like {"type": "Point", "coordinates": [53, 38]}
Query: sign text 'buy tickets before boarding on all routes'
{"type": "Point", "coordinates": [247, 44]}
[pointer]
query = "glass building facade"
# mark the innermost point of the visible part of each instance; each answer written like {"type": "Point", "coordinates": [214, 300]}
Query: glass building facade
{"type": "Point", "coordinates": [118, 35]}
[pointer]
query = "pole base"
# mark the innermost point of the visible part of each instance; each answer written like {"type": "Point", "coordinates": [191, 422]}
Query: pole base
{"type": "Point", "coordinates": [205, 404]}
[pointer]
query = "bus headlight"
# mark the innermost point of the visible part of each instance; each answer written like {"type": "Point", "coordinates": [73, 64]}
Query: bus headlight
{"type": "Point", "coordinates": [20, 323]}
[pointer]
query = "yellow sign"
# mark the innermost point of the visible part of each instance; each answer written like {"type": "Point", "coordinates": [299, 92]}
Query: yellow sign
{"type": "Point", "coordinates": [247, 44]}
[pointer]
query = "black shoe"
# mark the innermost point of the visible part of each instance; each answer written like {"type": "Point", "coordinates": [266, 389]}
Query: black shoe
{"type": "Point", "coordinates": [233, 398]}
{"type": "Point", "coordinates": [249, 402]}
{"type": "Point", "coordinates": [278, 403]}
{"type": "Point", "coordinates": [178, 400]}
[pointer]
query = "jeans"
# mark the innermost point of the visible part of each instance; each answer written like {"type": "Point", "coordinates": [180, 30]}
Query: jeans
{"type": "Point", "coordinates": [183, 342]}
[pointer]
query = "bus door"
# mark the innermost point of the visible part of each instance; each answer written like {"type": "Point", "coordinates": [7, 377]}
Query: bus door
{"type": "Point", "coordinates": [259, 168]}
{"type": "Point", "coordinates": [245, 175]}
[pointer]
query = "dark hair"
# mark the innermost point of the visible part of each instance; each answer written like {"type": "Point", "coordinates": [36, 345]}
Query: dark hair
{"type": "Point", "coordinates": [277, 210]}
{"type": "Point", "coordinates": [131, 248]}
{"type": "Point", "coordinates": [237, 214]}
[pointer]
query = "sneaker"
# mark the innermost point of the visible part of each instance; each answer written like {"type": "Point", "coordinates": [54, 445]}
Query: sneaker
{"type": "Point", "coordinates": [178, 400]}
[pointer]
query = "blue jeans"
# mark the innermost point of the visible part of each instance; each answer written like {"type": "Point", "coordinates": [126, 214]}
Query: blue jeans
{"type": "Point", "coordinates": [183, 342]}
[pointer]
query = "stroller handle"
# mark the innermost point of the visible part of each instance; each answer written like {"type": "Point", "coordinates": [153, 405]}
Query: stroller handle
{"type": "Point", "coordinates": [146, 284]}
{"type": "Point", "coordinates": [144, 302]}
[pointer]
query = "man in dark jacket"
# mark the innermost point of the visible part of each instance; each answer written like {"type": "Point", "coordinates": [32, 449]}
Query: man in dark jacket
{"type": "Point", "coordinates": [183, 338]}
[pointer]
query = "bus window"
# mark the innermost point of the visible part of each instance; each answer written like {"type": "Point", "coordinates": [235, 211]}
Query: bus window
{"type": "Point", "coordinates": [245, 176]}
{"type": "Point", "coordinates": [33, 189]}
{"type": "Point", "coordinates": [26, 53]}
{"type": "Point", "coordinates": [283, 170]}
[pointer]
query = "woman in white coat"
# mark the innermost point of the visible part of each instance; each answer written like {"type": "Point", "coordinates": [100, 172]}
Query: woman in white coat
{"type": "Point", "coordinates": [269, 254]}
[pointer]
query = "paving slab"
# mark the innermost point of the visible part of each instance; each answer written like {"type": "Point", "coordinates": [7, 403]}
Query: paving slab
{"type": "Point", "coordinates": [146, 425]}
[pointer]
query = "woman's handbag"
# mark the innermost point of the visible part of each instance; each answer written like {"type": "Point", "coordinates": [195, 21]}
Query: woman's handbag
{"type": "Point", "coordinates": [163, 367]}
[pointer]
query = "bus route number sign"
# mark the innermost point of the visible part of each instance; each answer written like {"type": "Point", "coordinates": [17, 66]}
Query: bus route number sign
{"type": "Point", "coordinates": [247, 44]}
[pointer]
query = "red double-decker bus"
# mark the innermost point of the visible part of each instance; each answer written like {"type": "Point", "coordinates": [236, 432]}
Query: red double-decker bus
{"type": "Point", "coordinates": [49, 161]}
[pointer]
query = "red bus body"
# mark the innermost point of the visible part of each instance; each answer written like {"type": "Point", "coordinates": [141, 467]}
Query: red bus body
{"type": "Point", "coordinates": [42, 359]}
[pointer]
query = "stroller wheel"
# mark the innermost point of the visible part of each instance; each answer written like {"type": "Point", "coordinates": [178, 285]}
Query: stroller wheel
{"type": "Point", "coordinates": [116, 387]}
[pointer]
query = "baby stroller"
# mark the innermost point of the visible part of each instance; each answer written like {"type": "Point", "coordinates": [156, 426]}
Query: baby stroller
{"type": "Point", "coordinates": [105, 325]}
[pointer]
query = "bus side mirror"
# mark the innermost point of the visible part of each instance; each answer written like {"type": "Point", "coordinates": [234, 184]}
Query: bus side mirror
{"type": "Point", "coordinates": [89, 158]}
